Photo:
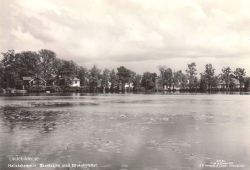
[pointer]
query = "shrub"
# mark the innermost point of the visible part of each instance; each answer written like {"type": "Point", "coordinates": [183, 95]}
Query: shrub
{"type": "Point", "coordinates": [53, 89]}
{"type": "Point", "coordinates": [36, 89]}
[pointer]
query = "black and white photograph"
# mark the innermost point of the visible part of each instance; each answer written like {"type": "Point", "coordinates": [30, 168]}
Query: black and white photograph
{"type": "Point", "coordinates": [124, 85]}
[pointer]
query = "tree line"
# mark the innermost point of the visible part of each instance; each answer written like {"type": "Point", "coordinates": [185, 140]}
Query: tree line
{"type": "Point", "coordinates": [208, 79]}
{"type": "Point", "coordinates": [45, 64]}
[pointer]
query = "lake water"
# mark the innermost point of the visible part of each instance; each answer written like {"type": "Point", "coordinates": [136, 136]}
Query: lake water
{"type": "Point", "coordinates": [125, 131]}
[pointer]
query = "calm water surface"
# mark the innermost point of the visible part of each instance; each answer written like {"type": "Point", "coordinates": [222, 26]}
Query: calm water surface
{"type": "Point", "coordinates": [126, 131]}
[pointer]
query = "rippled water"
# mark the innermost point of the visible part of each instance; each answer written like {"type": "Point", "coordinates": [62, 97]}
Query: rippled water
{"type": "Point", "coordinates": [126, 131]}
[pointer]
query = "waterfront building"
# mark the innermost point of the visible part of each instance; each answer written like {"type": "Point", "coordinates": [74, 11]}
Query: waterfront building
{"type": "Point", "coordinates": [29, 81]}
{"type": "Point", "coordinates": [75, 82]}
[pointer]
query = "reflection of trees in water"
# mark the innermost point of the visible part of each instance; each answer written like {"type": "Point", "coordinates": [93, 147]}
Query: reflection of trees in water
{"type": "Point", "coordinates": [15, 117]}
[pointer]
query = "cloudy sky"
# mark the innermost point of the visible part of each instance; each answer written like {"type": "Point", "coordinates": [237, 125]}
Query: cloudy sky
{"type": "Point", "coordinates": [139, 34]}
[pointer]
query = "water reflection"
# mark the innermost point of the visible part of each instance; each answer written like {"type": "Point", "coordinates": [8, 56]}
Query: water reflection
{"type": "Point", "coordinates": [19, 118]}
{"type": "Point", "coordinates": [126, 131]}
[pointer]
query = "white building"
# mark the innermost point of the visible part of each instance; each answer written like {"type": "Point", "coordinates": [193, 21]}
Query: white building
{"type": "Point", "coordinates": [75, 82]}
{"type": "Point", "coordinates": [129, 85]}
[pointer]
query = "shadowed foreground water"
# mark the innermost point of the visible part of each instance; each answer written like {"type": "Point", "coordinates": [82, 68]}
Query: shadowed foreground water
{"type": "Point", "coordinates": [126, 131]}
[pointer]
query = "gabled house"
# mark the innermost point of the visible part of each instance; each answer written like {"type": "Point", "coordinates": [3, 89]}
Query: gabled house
{"type": "Point", "coordinates": [29, 81]}
{"type": "Point", "coordinates": [38, 81]}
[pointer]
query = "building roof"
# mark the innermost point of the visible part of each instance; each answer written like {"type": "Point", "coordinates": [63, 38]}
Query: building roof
{"type": "Point", "coordinates": [75, 79]}
{"type": "Point", "coordinates": [30, 79]}
{"type": "Point", "coordinates": [27, 78]}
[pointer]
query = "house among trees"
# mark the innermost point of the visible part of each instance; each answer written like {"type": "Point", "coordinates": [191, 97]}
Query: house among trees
{"type": "Point", "coordinates": [38, 81]}
{"type": "Point", "coordinates": [233, 84]}
{"type": "Point", "coordinates": [173, 86]}
{"type": "Point", "coordinates": [35, 81]}
{"type": "Point", "coordinates": [129, 85]}
{"type": "Point", "coordinates": [42, 71]}
{"type": "Point", "coordinates": [75, 82]}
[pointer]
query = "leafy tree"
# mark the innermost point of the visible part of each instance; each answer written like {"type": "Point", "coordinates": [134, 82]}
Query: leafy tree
{"type": "Point", "coordinates": [191, 73]}
{"type": "Point", "coordinates": [136, 82]}
{"type": "Point", "coordinates": [162, 73]}
{"type": "Point", "coordinates": [94, 77]}
{"type": "Point", "coordinates": [27, 63]}
{"type": "Point", "coordinates": [168, 77]}
{"type": "Point", "coordinates": [246, 83]}
{"type": "Point", "coordinates": [113, 80]}
{"type": "Point", "coordinates": [56, 77]}
{"type": "Point", "coordinates": [105, 79]}
{"type": "Point", "coordinates": [196, 83]}
{"type": "Point", "coordinates": [176, 78]}
{"type": "Point", "coordinates": [47, 60]}
{"type": "Point", "coordinates": [66, 72]}
{"type": "Point", "coordinates": [82, 74]}
{"type": "Point", "coordinates": [9, 58]}
{"type": "Point", "coordinates": [208, 75]}
{"type": "Point", "coordinates": [130, 80]}
{"type": "Point", "coordinates": [148, 80]}
{"type": "Point", "coordinates": [203, 82]}
{"type": "Point", "coordinates": [232, 83]}
{"type": "Point", "coordinates": [57, 64]}
{"type": "Point", "coordinates": [184, 80]}
{"type": "Point", "coordinates": [179, 79]}
{"type": "Point", "coordinates": [125, 76]}
{"type": "Point", "coordinates": [1, 74]}
{"type": "Point", "coordinates": [215, 81]}
{"type": "Point", "coordinates": [226, 75]}
{"type": "Point", "coordinates": [239, 74]}
{"type": "Point", "coordinates": [10, 69]}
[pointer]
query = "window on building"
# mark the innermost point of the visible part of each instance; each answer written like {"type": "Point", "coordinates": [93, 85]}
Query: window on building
{"type": "Point", "coordinates": [75, 82]}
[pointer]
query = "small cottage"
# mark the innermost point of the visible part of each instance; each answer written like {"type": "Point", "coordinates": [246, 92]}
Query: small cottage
{"type": "Point", "coordinates": [29, 81]}
{"type": "Point", "coordinates": [38, 81]}
{"type": "Point", "coordinates": [75, 82]}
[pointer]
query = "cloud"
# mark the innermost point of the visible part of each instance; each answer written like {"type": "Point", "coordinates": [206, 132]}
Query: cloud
{"type": "Point", "coordinates": [128, 31]}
